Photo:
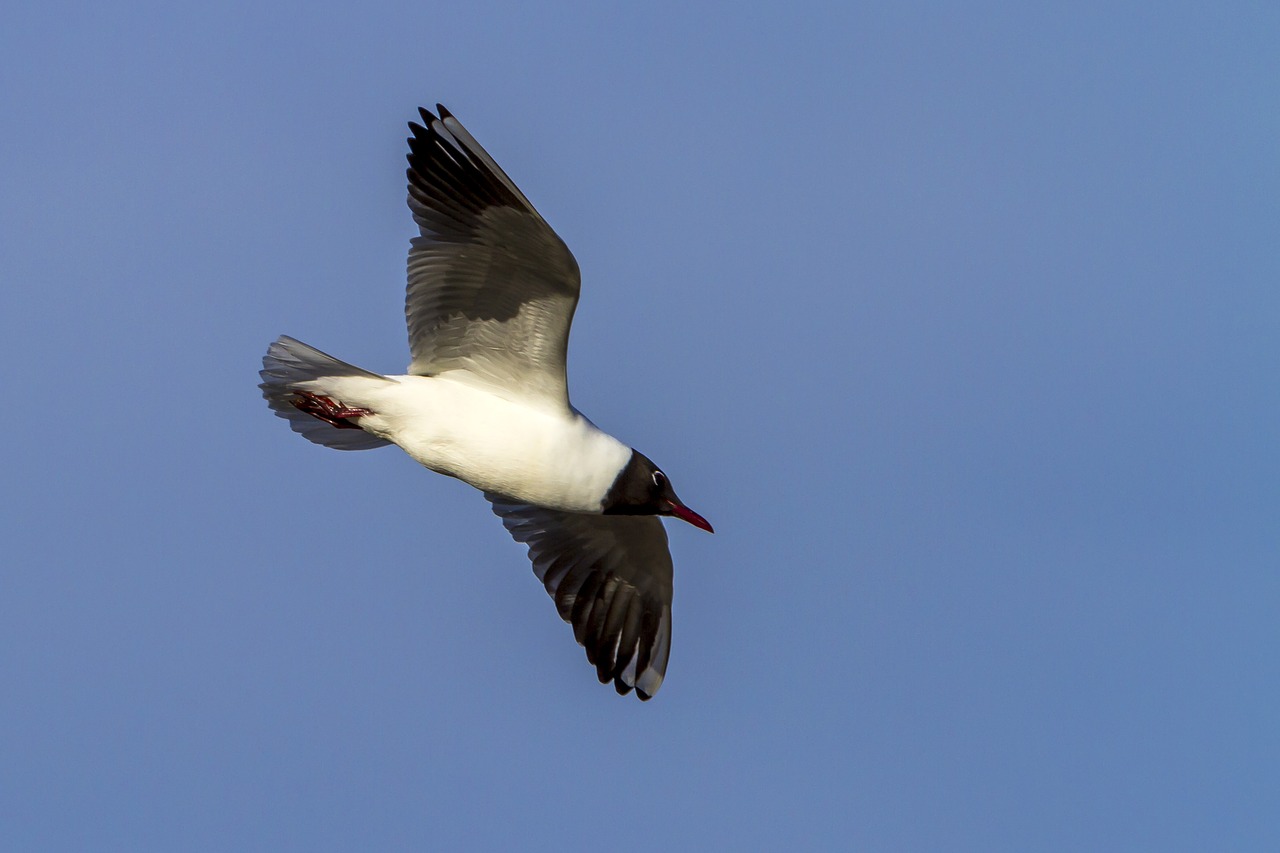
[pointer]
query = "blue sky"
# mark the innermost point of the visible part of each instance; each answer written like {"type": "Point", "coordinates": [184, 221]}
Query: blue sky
{"type": "Point", "coordinates": [959, 321]}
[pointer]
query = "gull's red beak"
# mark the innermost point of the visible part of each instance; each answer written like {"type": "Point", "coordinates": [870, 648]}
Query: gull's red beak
{"type": "Point", "coordinates": [684, 513]}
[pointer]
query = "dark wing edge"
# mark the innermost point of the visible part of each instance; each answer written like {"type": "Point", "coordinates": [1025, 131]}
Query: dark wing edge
{"type": "Point", "coordinates": [451, 176]}
{"type": "Point", "coordinates": [611, 579]}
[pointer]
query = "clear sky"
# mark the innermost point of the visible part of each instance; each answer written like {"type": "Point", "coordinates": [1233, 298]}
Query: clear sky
{"type": "Point", "coordinates": [961, 322]}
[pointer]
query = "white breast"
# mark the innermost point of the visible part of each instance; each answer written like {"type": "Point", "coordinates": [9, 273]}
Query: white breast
{"type": "Point", "coordinates": [548, 458]}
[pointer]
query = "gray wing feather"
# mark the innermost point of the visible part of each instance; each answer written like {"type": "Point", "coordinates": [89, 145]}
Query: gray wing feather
{"type": "Point", "coordinates": [611, 578]}
{"type": "Point", "coordinates": [492, 288]}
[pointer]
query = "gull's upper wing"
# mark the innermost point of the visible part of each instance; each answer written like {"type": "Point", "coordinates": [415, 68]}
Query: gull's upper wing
{"type": "Point", "coordinates": [492, 288]}
{"type": "Point", "coordinates": [610, 576]}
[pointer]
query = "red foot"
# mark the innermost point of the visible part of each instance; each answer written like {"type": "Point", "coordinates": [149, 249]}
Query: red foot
{"type": "Point", "coordinates": [327, 410]}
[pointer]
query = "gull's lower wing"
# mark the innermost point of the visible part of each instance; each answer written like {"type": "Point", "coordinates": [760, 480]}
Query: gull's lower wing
{"type": "Point", "coordinates": [610, 576]}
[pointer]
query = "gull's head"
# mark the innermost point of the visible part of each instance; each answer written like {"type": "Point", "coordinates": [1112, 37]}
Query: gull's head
{"type": "Point", "coordinates": [641, 488]}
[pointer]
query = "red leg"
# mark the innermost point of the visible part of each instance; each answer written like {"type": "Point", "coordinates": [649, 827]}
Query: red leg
{"type": "Point", "coordinates": [327, 410]}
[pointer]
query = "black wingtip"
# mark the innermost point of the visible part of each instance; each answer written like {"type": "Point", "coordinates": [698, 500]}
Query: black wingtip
{"type": "Point", "coordinates": [417, 133]}
{"type": "Point", "coordinates": [427, 117]}
{"type": "Point", "coordinates": [444, 113]}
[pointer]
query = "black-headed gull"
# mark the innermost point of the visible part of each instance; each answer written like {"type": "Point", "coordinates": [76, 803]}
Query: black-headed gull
{"type": "Point", "coordinates": [491, 294]}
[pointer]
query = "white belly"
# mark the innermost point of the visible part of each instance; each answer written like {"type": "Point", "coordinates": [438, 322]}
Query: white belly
{"type": "Point", "coordinates": [540, 456]}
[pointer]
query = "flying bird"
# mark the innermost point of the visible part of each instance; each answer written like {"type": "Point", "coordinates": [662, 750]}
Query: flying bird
{"type": "Point", "coordinates": [491, 294]}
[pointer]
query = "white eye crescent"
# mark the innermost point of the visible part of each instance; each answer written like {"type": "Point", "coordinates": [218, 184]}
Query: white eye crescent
{"type": "Point", "coordinates": [659, 478]}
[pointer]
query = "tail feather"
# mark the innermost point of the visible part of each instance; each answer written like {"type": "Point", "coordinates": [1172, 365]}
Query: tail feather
{"type": "Point", "coordinates": [290, 363]}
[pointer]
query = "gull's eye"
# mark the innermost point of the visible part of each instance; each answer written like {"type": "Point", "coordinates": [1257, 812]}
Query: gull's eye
{"type": "Point", "coordinates": [659, 478]}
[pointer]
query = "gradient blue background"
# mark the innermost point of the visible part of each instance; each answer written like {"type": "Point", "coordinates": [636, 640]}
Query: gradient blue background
{"type": "Point", "coordinates": [961, 322]}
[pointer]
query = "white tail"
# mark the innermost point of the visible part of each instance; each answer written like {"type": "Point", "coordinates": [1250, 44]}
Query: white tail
{"type": "Point", "coordinates": [289, 363]}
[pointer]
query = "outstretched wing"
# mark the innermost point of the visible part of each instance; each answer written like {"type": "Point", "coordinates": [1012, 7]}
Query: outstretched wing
{"type": "Point", "coordinates": [610, 576]}
{"type": "Point", "coordinates": [492, 289]}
